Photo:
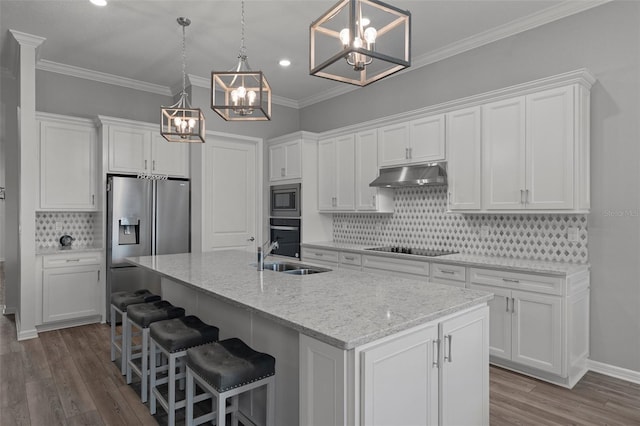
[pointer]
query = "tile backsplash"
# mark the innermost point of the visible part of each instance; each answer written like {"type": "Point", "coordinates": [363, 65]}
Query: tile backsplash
{"type": "Point", "coordinates": [420, 221]}
{"type": "Point", "coordinates": [80, 225]}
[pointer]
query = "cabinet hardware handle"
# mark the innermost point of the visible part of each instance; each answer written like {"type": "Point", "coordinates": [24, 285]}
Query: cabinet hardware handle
{"type": "Point", "coordinates": [510, 280]}
{"type": "Point", "coordinates": [98, 275]}
{"type": "Point", "coordinates": [93, 199]}
{"type": "Point", "coordinates": [145, 164]}
{"type": "Point", "coordinates": [410, 153]}
{"type": "Point", "coordinates": [506, 299]}
{"type": "Point", "coordinates": [153, 165]}
{"type": "Point", "coordinates": [373, 200]}
{"type": "Point", "coordinates": [283, 173]}
{"type": "Point", "coordinates": [526, 196]}
{"type": "Point", "coordinates": [446, 271]}
{"type": "Point", "coordinates": [73, 260]}
{"type": "Point", "coordinates": [319, 254]}
{"type": "Point", "coordinates": [513, 305]}
{"type": "Point", "coordinates": [436, 352]}
{"type": "Point", "coordinates": [522, 196]}
{"type": "Point", "coordinates": [350, 258]}
{"type": "Point", "coordinates": [406, 153]}
{"type": "Point", "coordinates": [449, 338]}
{"type": "Point", "coordinates": [449, 198]}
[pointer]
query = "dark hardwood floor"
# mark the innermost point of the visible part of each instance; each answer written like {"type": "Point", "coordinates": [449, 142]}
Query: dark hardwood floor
{"type": "Point", "coordinates": [65, 377]}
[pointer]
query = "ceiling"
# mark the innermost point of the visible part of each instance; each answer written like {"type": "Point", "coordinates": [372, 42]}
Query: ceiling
{"type": "Point", "coordinates": [140, 40]}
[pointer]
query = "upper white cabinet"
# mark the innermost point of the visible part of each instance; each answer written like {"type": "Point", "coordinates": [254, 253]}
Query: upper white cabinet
{"type": "Point", "coordinates": [285, 161]}
{"type": "Point", "coordinates": [134, 147]}
{"type": "Point", "coordinates": [464, 137]}
{"type": "Point", "coordinates": [416, 141]}
{"type": "Point", "coordinates": [535, 151]}
{"type": "Point", "coordinates": [67, 149]}
{"type": "Point", "coordinates": [368, 198]}
{"type": "Point", "coordinates": [336, 174]}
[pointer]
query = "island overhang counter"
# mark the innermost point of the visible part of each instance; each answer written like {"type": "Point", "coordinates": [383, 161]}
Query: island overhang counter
{"type": "Point", "coordinates": [350, 347]}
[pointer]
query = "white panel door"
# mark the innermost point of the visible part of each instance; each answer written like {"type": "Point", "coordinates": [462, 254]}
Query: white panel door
{"type": "Point", "coordinates": [503, 160]}
{"type": "Point", "coordinates": [69, 293]}
{"type": "Point", "coordinates": [464, 139]}
{"type": "Point", "coordinates": [67, 166]}
{"type": "Point", "coordinates": [327, 170]}
{"type": "Point", "coordinates": [393, 144]}
{"type": "Point", "coordinates": [427, 136]}
{"type": "Point", "coordinates": [345, 173]}
{"type": "Point", "coordinates": [230, 196]}
{"type": "Point", "coordinates": [169, 158]}
{"type": "Point", "coordinates": [129, 149]}
{"type": "Point", "coordinates": [550, 149]}
{"type": "Point", "coordinates": [366, 169]}
{"type": "Point", "coordinates": [501, 319]}
{"type": "Point", "coordinates": [465, 369]}
{"type": "Point", "coordinates": [400, 381]}
{"type": "Point", "coordinates": [537, 331]}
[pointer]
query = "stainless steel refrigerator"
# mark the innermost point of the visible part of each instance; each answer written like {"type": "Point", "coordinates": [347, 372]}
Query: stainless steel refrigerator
{"type": "Point", "coordinates": [144, 217]}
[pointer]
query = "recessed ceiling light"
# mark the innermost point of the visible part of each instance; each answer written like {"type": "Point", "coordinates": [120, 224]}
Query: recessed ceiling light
{"type": "Point", "coordinates": [284, 62]}
{"type": "Point", "coordinates": [99, 2]}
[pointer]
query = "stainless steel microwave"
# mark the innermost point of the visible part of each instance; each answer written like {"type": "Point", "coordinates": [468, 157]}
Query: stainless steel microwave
{"type": "Point", "coordinates": [285, 200]}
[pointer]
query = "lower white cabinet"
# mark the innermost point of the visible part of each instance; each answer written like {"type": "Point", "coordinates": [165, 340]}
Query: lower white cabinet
{"type": "Point", "coordinates": [395, 266]}
{"type": "Point", "coordinates": [321, 256]}
{"type": "Point", "coordinates": [433, 374]}
{"type": "Point", "coordinates": [455, 275]}
{"type": "Point", "coordinates": [70, 286]}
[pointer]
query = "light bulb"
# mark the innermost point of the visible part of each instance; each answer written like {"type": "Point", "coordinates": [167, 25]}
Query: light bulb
{"type": "Point", "coordinates": [344, 37]}
{"type": "Point", "coordinates": [177, 121]}
{"type": "Point", "coordinates": [192, 123]}
{"type": "Point", "coordinates": [242, 92]}
{"type": "Point", "coordinates": [370, 35]}
{"type": "Point", "coordinates": [183, 124]}
{"type": "Point", "coordinates": [234, 96]}
{"type": "Point", "coordinates": [357, 42]}
{"type": "Point", "coordinates": [252, 97]}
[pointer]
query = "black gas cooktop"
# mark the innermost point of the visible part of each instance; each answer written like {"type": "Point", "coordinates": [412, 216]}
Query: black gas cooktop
{"type": "Point", "coordinates": [414, 251]}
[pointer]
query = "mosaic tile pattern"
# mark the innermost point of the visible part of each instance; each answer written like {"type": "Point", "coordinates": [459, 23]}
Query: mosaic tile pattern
{"type": "Point", "coordinates": [80, 225]}
{"type": "Point", "coordinates": [419, 220]}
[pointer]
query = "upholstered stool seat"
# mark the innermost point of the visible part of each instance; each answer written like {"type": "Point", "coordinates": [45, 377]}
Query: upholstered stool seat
{"type": "Point", "coordinates": [172, 338]}
{"type": "Point", "coordinates": [226, 369]}
{"type": "Point", "coordinates": [119, 302]}
{"type": "Point", "coordinates": [141, 316]}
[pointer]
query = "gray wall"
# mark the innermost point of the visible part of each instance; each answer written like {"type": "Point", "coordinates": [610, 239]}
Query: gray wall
{"type": "Point", "coordinates": [606, 41]}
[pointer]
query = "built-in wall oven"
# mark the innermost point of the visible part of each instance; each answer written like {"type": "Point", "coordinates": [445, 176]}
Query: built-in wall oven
{"type": "Point", "coordinates": [285, 200]}
{"type": "Point", "coordinates": [285, 219]}
{"type": "Point", "coordinates": [287, 233]}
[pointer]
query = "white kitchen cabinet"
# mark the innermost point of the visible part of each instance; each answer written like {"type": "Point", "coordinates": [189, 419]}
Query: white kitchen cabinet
{"type": "Point", "coordinates": [464, 375]}
{"type": "Point", "coordinates": [336, 174]}
{"type": "Point", "coordinates": [416, 141]}
{"type": "Point", "coordinates": [71, 287]}
{"type": "Point", "coordinates": [464, 137]}
{"type": "Point", "coordinates": [350, 260]}
{"type": "Point", "coordinates": [285, 161]}
{"type": "Point", "coordinates": [408, 268]}
{"type": "Point", "coordinates": [68, 172]}
{"type": "Point", "coordinates": [367, 169]}
{"type": "Point", "coordinates": [454, 275]}
{"type": "Point", "coordinates": [134, 148]}
{"type": "Point", "coordinates": [321, 256]}
{"type": "Point", "coordinates": [531, 153]}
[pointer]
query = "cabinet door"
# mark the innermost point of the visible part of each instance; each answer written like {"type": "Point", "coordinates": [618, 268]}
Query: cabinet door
{"type": "Point", "coordinates": [69, 293]}
{"type": "Point", "coordinates": [465, 369]}
{"type": "Point", "coordinates": [293, 160]}
{"type": "Point", "coordinates": [427, 140]}
{"type": "Point", "coordinates": [393, 144]}
{"type": "Point", "coordinates": [409, 363]}
{"type": "Point", "coordinates": [366, 169]}
{"type": "Point", "coordinates": [129, 149]}
{"type": "Point", "coordinates": [345, 189]}
{"type": "Point", "coordinates": [67, 166]}
{"type": "Point", "coordinates": [503, 161]}
{"type": "Point", "coordinates": [501, 318]}
{"type": "Point", "coordinates": [285, 161]}
{"type": "Point", "coordinates": [550, 149]}
{"type": "Point", "coordinates": [169, 158]}
{"type": "Point", "coordinates": [463, 147]}
{"type": "Point", "coordinates": [537, 331]}
{"type": "Point", "coordinates": [326, 175]}
{"type": "Point", "coordinates": [277, 165]}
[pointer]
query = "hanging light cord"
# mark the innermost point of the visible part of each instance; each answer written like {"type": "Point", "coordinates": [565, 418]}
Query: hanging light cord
{"type": "Point", "coordinates": [243, 48]}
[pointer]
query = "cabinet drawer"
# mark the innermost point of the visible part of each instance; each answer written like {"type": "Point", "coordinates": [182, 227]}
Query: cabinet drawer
{"type": "Point", "coordinates": [408, 266]}
{"type": "Point", "coordinates": [516, 280]}
{"type": "Point", "coordinates": [320, 255]}
{"type": "Point", "coordinates": [68, 259]}
{"type": "Point", "coordinates": [449, 272]}
{"type": "Point", "coordinates": [350, 259]}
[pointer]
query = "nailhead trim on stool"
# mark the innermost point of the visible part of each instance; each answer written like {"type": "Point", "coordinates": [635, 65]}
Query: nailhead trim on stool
{"type": "Point", "coordinates": [225, 370]}
{"type": "Point", "coordinates": [141, 316]}
{"type": "Point", "coordinates": [172, 338]}
{"type": "Point", "coordinates": [119, 302]}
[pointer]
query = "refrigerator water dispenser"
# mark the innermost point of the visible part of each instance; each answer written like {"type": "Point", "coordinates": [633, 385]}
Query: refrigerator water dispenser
{"type": "Point", "coordinates": [129, 231]}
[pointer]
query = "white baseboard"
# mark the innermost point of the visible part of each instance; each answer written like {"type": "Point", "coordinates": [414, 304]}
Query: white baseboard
{"type": "Point", "coordinates": [25, 334]}
{"type": "Point", "coordinates": [613, 371]}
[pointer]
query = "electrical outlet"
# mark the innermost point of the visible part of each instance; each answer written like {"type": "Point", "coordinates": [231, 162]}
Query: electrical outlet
{"type": "Point", "coordinates": [484, 231]}
{"type": "Point", "coordinates": [58, 226]}
{"type": "Point", "coordinates": [572, 234]}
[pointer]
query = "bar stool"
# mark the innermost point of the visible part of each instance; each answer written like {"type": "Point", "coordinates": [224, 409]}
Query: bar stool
{"type": "Point", "coordinates": [140, 316]}
{"type": "Point", "coordinates": [226, 369]}
{"type": "Point", "coordinates": [172, 338]}
{"type": "Point", "coordinates": [119, 302]}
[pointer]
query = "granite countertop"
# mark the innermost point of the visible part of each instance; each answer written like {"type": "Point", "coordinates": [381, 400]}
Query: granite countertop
{"type": "Point", "coordinates": [343, 308]}
{"type": "Point", "coordinates": [519, 265]}
{"type": "Point", "coordinates": [60, 250]}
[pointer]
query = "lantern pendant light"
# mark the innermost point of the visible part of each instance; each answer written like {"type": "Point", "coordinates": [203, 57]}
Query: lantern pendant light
{"type": "Point", "coordinates": [180, 122]}
{"type": "Point", "coordinates": [241, 94]}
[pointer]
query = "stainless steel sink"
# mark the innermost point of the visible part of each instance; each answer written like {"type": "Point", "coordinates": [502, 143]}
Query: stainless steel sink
{"type": "Point", "coordinates": [294, 268]}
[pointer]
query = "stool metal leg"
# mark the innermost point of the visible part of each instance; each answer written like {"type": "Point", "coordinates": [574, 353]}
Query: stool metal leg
{"type": "Point", "coordinates": [128, 351]}
{"type": "Point", "coordinates": [144, 374]}
{"type": "Point", "coordinates": [124, 343]}
{"type": "Point", "coordinates": [152, 376]}
{"type": "Point", "coordinates": [221, 410]}
{"type": "Point", "coordinates": [172, 390]}
{"type": "Point", "coordinates": [190, 394]}
{"type": "Point", "coordinates": [271, 403]}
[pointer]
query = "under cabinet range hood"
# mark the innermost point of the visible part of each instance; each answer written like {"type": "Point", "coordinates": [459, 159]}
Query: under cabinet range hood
{"type": "Point", "coordinates": [418, 175]}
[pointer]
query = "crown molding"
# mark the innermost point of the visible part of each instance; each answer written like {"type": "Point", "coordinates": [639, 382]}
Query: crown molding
{"type": "Point", "coordinates": [70, 70]}
{"type": "Point", "coordinates": [25, 39]}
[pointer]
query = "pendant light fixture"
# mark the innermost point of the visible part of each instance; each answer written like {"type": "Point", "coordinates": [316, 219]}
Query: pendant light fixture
{"type": "Point", "coordinates": [241, 94]}
{"type": "Point", "coordinates": [360, 41]}
{"type": "Point", "coordinates": [180, 122]}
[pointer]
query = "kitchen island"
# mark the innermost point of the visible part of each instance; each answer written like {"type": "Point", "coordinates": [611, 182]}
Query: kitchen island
{"type": "Point", "coordinates": [350, 347]}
